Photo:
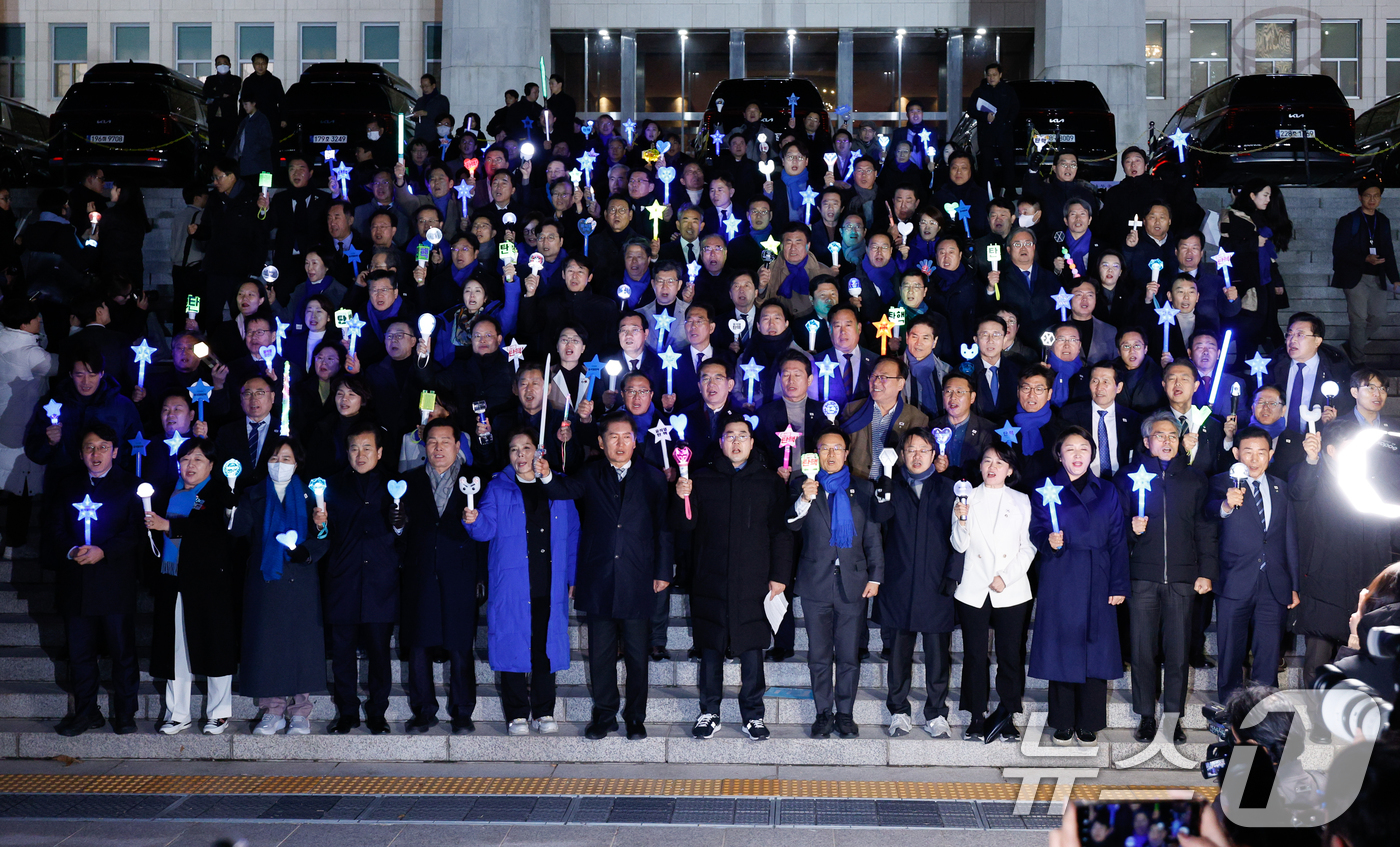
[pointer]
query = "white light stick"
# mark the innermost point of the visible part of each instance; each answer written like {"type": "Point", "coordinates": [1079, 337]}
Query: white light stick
{"type": "Point", "coordinates": [1050, 496]}
{"type": "Point", "coordinates": [400, 138]}
{"type": "Point", "coordinates": [427, 324]}
{"type": "Point", "coordinates": [1219, 369]}
{"type": "Point", "coordinates": [145, 491]}
{"type": "Point", "coordinates": [544, 405]}
{"type": "Point", "coordinates": [812, 326]}
{"type": "Point", "coordinates": [1239, 472]}
{"type": "Point", "coordinates": [470, 489]}
{"type": "Point", "coordinates": [232, 468]}
{"type": "Point", "coordinates": [143, 353]}
{"type": "Point", "coordinates": [810, 465]}
{"type": "Point", "coordinates": [87, 513]}
{"type": "Point", "coordinates": [613, 368]}
{"type": "Point", "coordinates": [661, 434]}
{"type": "Point", "coordinates": [1329, 390]}
{"type": "Point", "coordinates": [1312, 416]}
{"type": "Point", "coordinates": [889, 457]}
{"type": "Point", "coordinates": [1135, 222]}
{"type": "Point", "coordinates": [962, 489]}
{"type": "Point", "coordinates": [1142, 483]}
{"type": "Point", "coordinates": [397, 489]}
{"type": "Point", "coordinates": [317, 487]}
{"type": "Point", "coordinates": [286, 398]}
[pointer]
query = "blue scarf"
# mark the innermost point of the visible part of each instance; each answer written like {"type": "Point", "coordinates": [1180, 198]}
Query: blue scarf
{"type": "Point", "coordinates": [1079, 249]}
{"type": "Point", "coordinates": [843, 526]}
{"type": "Point", "coordinates": [1059, 392]}
{"type": "Point", "coordinates": [311, 290]}
{"type": "Point", "coordinates": [761, 235]}
{"type": "Point", "coordinates": [795, 186]}
{"type": "Point", "coordinates": [181, 504]}
{"type": "Point", "coordinates": [881, 278]}
{"type": "Point", "coordinates": [1272, 429]}
{"type": "Point", "coordinates": [1030, 424]}
{"type": "Point", "coordinates": [796, 280]}
{"type": "Point", "coordinates": [947, 280]}
{"type": "Point", "coordinates": [547, 272]}
{"type": "Point", "coordinates": [461, 275]}
{"type": "Point", "coordinates": [379, 321]}
{"type": "Point", "coordinates": [1267, 255]}
{"type": "Point", "coordinates": [643, 421]}
{"type": "Point", "coordinates": [925, 376]}
{"type": "Point", "coordinates": [278, 517]}
{"type": "Point", "coordinates": [861, 418]}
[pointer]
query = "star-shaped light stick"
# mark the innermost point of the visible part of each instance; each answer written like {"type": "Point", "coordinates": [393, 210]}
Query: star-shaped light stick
{"type": "Point", "coordinates": [143, 353]}
{"type": "Point", "coordinates": [1050, 496]}
{"type": "Point", "coordinates": [670, 360]}
{"type": "Point", "coordinates": [1008, 433]}
{"type": "Point", "coordinates": [464, 190]}
{"type": "Point", "coordinates": [1223, 263]}
{"type": "Point", "coordinates": [342, 175]}
{"type": "Point", "coordinates": [629, 126]}
{"type": "Point", "coordinates": [751, 370]}
{"type": "Point", "coordinates": [1142, 483]}
{"type": "Point", "coordinates": [138, 449]}
{"type": "Point", "coordinates": [53, 409]}
{"type": "Point", "coordinates": [809, 199]}
{"type": "Point", "coordinates": [281, 333]}
{"type": "Point", "coordinates": [1062, 301]}
{"type": "Point", "coordinates": [353, 327]}
{"type": "Point", "coordinates": [661, 434]}
{"type": "Point", "coordinates": [964, 214]}
{"type": "Point", "coordinates": [1259, 367]}
{"type": "Point", "coordinates": [826, 369]}
{"type": "Point", "coordinates": [352, 255]}
{"type": "Point", "coordinates": [1166, 316]}
{"type": "Point", "coordinates": [515, 352]}
{"type": "Point", "coordinates": [174, 442]}
{"type": "Point", "coordinates": [731, 227]}
{"type": "Point", "coordinates": [884, 328]}
{"type": "Point", "coordinates": [787, 439]}
{"type": "Point", "coordinates": [200, 392]}
{"type": "Point", "coordinates": [718, 138]}
{"type": "Point", "coordinates": [655, 211]}
{"type": "Point", "coordinates": [329, 154]}
{"type": "Point", "coordinates": [770, 248]}
{"type": "Point", "coordinates": [586, 162]}
{"type": "Point", "coordinates": [87, 513]}
{"type": "Point", "coordinates": [662, 321]}
{"type": "Point", "coordinates": [1179, 140]}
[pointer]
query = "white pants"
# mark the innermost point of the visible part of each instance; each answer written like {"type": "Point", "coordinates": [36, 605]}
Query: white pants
{"type": "Point", "coordinates": [219, 702]}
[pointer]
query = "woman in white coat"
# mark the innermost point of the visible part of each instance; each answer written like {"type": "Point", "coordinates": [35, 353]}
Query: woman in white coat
{"type": "Point", "coordinates": [992, 530]}
{"type": "Point", "coordinates": [25, 368]}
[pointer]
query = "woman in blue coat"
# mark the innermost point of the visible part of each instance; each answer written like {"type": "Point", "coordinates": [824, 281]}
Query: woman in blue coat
{"type": "Point", "coordinates": [530, 571]}
{"type": "Point", "coordinates": [1083, 575]}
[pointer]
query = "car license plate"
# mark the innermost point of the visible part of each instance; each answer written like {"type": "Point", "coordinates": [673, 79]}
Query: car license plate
{"type": "Point", "coordinates": [329, 139]}
{"type": "Point", "coordinates": [1042, 140]}
{"type": "Point", "coordinates": [106, 139]}
{"type": "Point", "coordinates": [1294, 133]}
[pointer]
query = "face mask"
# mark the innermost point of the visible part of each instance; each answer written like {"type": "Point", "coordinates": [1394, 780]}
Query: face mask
{"type": "Point", "coordinates": [444, 131]}
{"type": "Point", "coordinates": [223, 69]}
{"type": "Point", "coordinates": [281, 472]}
{"type": "Point", "coordinates": [1026, 221]}
{"type": "Point", "coordinates": [374, 134]}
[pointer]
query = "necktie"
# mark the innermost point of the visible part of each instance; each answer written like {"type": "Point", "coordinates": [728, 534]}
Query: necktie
{"type": "Point", "coordinates": [1105, 463]}
{"type": "Point", "coordinates": [995, 383]}
{"type": "Point", "coordinates": [632, 363]}
{"type": "Point", "coordinates": [699, 357]}
{"type": "Point", "coordinates": [621, 473]}
{"type": "Point", "coordinates": [1259, 505]}
{"type": "Point", "coordinates": [848, 376]}
{"type": "Point", "coordinates": [689, 253]}
{"type": "Point", "coordinates": [254, 427]}
{"type": "Point", "coordinates": [1295, 398]}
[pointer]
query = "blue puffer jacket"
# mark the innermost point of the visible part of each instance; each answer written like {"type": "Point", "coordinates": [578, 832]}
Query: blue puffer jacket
{"type": "Point", "coordinates": [501, 521]}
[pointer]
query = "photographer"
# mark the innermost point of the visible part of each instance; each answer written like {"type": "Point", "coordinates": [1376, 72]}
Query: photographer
{"type": "Point", "coordinates": [1379, 606]}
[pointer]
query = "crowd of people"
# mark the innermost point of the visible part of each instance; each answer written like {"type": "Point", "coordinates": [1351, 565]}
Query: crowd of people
{"type": "Point", "coordinates": [489, 376]}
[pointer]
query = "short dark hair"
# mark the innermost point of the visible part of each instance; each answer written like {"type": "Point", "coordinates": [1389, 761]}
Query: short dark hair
{"type": "Point", "coordinates": [1319, 328]}
{"type": "Point", "coordinates": [90, 355]}
{"type": "Point", "coordinates": [436, 423]}
{"type": "Point", "coordinates": [362, 428]}
{"type": "Point", "coordinates": [1360, 377]}
{"type": "Point", "coordinates": [1038, 370]}
{"type": "Point", "coordinates": [901, 367]}
{"type": "Point", "coordinates": [719, 362]}
{"type": "Point", "coordinates": [102, 431]}
{"type": "Point", "coordinates": [203, 445]}
{"type": "Point", "coordinates": [1254, 432]}
{"type": "Point", "coordinates": [1070, 431]}
{"type": "Point", "coordinates": [832, 430]}
{"type": "Point", "coordinates": [276, 442]}
{"type": "Point", "coordinates": [794, 356]}
{"type": "Point", "coordinates": [1007, 455]}
{"type": "Point", "coordinates": [616, 416]}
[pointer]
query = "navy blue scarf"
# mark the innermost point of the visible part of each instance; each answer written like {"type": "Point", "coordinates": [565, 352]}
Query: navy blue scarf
{"type": "Point", "coordinates": [182, 502]}
{"type": "Point", "coordinates": [1079, 249]}
{"type": "Point", "coordinates": [882, 278]}
{"type": "Point", "coordinates": [278, 517]}
{"type": "Point", "coordinates": [843, 525]}
{"type": "Point", "coordinates": [379, 321]}
{"type": "Point", "coordinates": [1059, 392]}
{"type": "Point", "coordinates": [861, 418]}
{"type": "Point", "coordinates": [925, 376]}
{"type": "Point", "coordinates": [795, 186]}
{"type": "Point", "coordinates": [796, 280]}
{"type": "Point", "coordinates": [1030, 424]}
{"type": "Point", "coordinates": [461, 275]}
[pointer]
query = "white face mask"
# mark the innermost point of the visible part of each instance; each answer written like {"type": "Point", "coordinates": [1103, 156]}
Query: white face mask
{"type": "Point", "coordinates": [223, 69]}
{"type": "Point", "coordinates": [374, 134]}
{"type": "Point", "coordinates": [281, 472]}
{"type": "Point", "coordinates": [1026, 221]}
{"type": "Point", "coordinates": [444, 131]}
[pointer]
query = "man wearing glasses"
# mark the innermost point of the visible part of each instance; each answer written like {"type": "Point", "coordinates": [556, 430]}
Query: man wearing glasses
{"type": "Point", "coordinates": [993, 373]}
{"type": "Point", "coordinates": [440, 196]}
{"type": "Point", "coordinates": [1310, 365]}
{"type": "Point", "coordinates": [381, 187]}
{"type": "Point", "coordinates": [1267, 413]}
{"type": "Point", "coordinates": [1369, 390]}
{"type": "Point", "coordinates": [245, 438]}
{"type": "Point", "coordinates": [972, 434]}
{"type": "Point", "coordinates": [258, 332]}
{"type": "Point", "coordinates": [1022, 284]}
{"type": "Point", "coordinates": [880, 420]}
{"type": "Point", "coordinates": [786, 190]}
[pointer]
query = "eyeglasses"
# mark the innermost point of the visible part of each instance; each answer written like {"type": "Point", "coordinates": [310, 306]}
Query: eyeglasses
{"type": "Point", "coordinates": [1023, 243]}
{"type": "Point", "coordinates": [253, 393]}
{"type": "Point", "coordinates": [1268, 404]}
{"type": "Point", "coordinates": [566, 339]}
{"type": "Point", "coordinates": [882, 379]}
{"type": "Point", "coordinates": [259, 333]}
{"type": "Point", "coordinates": [1373, 388]}
{"type": "Point", "coordinates": [99, 447]}
{"type": "Point", "coordinates": [831, 449]}
{"type": "Point", "coordinates": [637, 392]}
{"type": "Point", "coordinates": [990, 336]}
{"type": "Point", "coordinates": [1066, 339]}
{"type": "Point", "coordinates": [1132, 346]}
{"type": "Point", "coordinates": [956, 392]}
{"type": "Point", "coordinates": [915, 453]}
{"type": "Point", "coordinates": [735, 437]}
{"type": "Point", "coordinates": [1299, 336]}
{"type": "Point", "coordinates": [466, 248]}
{"type": "Point", "coordinates": [397, 336]}
{"type": "Point", "coordinates": [1033, 390]}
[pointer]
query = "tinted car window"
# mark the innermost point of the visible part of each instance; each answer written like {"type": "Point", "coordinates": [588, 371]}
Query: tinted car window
{"type": "Point", "coordinates": [337, 96]}
{"type": "Point", "coordinates": [1215, 99]}
{"type": "Point", "coordinates": [29, 123]}
{"type": "Point", "coordinates": [1059, 94]}
{"type": "Point", "coordinates": [1382, 118]}
{"type": "Point", "coordinates": [134, 96]}
{"type": "Point", "coordinates": [185, 105]}
{"type": "Point", "coordinates": [1283, 90]}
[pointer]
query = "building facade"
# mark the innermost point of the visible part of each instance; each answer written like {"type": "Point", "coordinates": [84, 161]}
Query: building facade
{"type": "Point", "coordinates": [661, 60]}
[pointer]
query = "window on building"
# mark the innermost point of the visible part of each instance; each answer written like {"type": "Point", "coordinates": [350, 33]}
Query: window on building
{"type": "Point", "coordinates": [1274, 47]}
{"type": "Point", "coordinates": [1210, 53]}
{"type": "Point", "coordinates": [1392, 58]}
{"type": "Point", "coordinates": [194, 49]}
{"type": "Point", "coordinates": [70, 56]}
{"type": "Point", "coordinates": [12, 60]}
{"type": "Point", "coordinates": [380, 44]}
{"type": "Point", "coordinates": [1341, 54]}
{"type": "Point", "coordinates": [432, 50]}
{"type": "Point", "coordinates": [252, 40]}
{"type": "Point", "coordinates": [131, 43]}
{"type": "Point", "coordinates": [317, 44]}
{"type": "Point", "coordinates": [1156, 60]}
{"type": "Point", "coordinates": [591, 63]}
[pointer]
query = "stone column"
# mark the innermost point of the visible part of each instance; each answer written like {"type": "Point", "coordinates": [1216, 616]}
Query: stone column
{"type": "Point", "coordinates": [1101, 41]}
{"type": "Point", "coordinates": [485, 52]}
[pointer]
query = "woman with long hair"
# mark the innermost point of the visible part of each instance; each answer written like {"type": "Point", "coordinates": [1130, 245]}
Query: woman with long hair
{"type": "Point", "coordinates": [1256, 228]}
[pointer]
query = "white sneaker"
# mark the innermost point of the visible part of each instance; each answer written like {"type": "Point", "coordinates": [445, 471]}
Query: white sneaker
{"type": "Point", "coordinates": [270, 725]}
{"type": "Point", "coordinates": [900, 725]}
{"type": "Point", "coordinates": [519, 726]}
{"type": "Point", "coordinates": [301, 725]}
{"type": "Point", "coordinates": [938, 728]}
{"type": "Point", "coordinates": [705, 726]}
{"type": "Point", "coordinates": [545, 725]}
{"type": "Point", "coordinates": [216, 726]}
{"type": "Point", "coordinates": [174, 727]}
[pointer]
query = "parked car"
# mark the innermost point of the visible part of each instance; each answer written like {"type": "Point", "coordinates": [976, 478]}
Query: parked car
{"type": "Point", "coordinates": [1288, 128]}
{"type": "Point", "coordinates": [727, 102]}
{"type": "Point", "coordinates": [1067, 114]}
{"type": "Point", "coordinates": [331, 103]}
{"type": "Point", "coordinates": [24, 138]}
{"type": "Point", "coordinates": [131, 115]}
{"type": "Point", "coordinates": [1377, 134]}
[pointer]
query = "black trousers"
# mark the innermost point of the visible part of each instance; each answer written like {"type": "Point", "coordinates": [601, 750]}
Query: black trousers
{"type": "Point", "coordinates": [345, 667]}
{"type": "Point", "coordinates": [660, 618]}
{"type": "Point", "coordinates": [938, 667]}
{"type": "Point", "coordinates": [1004, 149]}
{"type": "Point", "coordinates": [18, 509]}
{"type": "Point", "coordinates": [85, 633]}
{"type": "Point", "coordinates": [526, 695]}
{"type": "Point", "coordinates": [833, 631]}
{"type": "Point", "coordinates": [1009, 627]}
{"type": "Point", "coordinates": [1317, 651]}
{"type": "Point", "coordinates": [1161, 615]}
{"type": "Point", "coordinates": [1265, 616]}
{"type": "Point", "coordinates": [603, 635]}
{"type": "Point", "coordinates": [1202, 607]}
{"type": "Point", "coordinates": [1079, 705]}
{"type": "Point", "coordinates": [461, 684]}
{"type": "Point", "coordinates": [752, 685]}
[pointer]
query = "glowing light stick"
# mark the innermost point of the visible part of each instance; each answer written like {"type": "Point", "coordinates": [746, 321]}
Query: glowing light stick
{"type": "Point", "coordinates": [1235, 399]}
{"type": "Point", "coordinates": [1329, 390]}
{"type": "Point", "coordinates": [683, 465]}
{"type": "Point", "coordinates": [1312, 416]}
{"type": "Point", "coordinates": [479, 407]}
{"type": "Point", "coordinates": [464, 190]}
{"type": "Point", "coordinates": [883, 330]}
{"type": "Point", "coordinates": [191, 306]}
{"type": "Point", "coordinates": [831, 410]}
{"type": "Point", "coordinates": [267, 353]}
{"type": "Point", "coordinates": [751, 374]}
{"type": "Point", "coordinates": [592, 371]}
{"type": "Point", "coordinates": [1239, 472]}
{"type": "Point", "coordinates": [232, 468]}
{"type": "Point", "coordinates": [1142, 483]}
{"type": "Point", "coordinates": [1219, 368]}
{"type": "Point", "coordinates": [661, 434]}
{"type": "Point", "coordinates": [87, 513]}
{"type": "Point", "coordinates": [810, 465]}
{"type": "Point", "coordinates": [853, 286]}
{"type": "Point", "coordinates": [328, 154]}
{"type": "Point", "coordinates": [629, 126]}
{"type": "Point", "coordinates": [667, 175]}
{"type": "Point", "coordinates": [1156, 267]}
{"type": "Point", "coordinates": [968, 351]}
{"type": "Point", "coordinates": [809, 199]}
{"type": "Point", "coordinates": [731, 227]}
{"type": "Point", "coordinates": [286, 397]}
{"type": "Point", "coordinates": [663, 322]}
{"type": "Point", "coordinates": [897, 317]}
{"type": "Point", "coordinates": [544, 407]}
{"type": "Point", "coordinates": [400, 138]}
{"type": "Point", "coordinates": [941, 436]}
{"type": "Point", "coordinates": [427, 401]}
{"type": "Point", "coordinates": [614, 367]}
{"type": "Point", "coordinates": [470, 489]}
{"type": "Point", "coordinates": [670, 360]}
{"type": "Point", "coordinates": [1135, 222]}
{"type": "Point", "coordinates": [138, 449]}
{"type": "Point", "coordinates": [199, 393]}
{"type": "Point", "coordinates": [317, 487]}
{"type": "Point", "coordinates": [826, 369]}
{"type": "Point", "coordinates": [1069, 260]}
{"type": "Point", "coordinates": [834, 248]}
{"type": "Point", "coordinates": [787, 439]}
{"type": "Point", "coordinates": [515, 353]}
{"type": "Point", "coordinates": [341, 172]}
{"type": "Point", "coordinates": [1050, 496]}
{"type": "Point", "coordinates": [352, 255]}
{"type": "Point", "coordinates": [143, 353]}
{"type": "Point", "coordinates": [1258, 367]}
{"type": "Point", "coordinates": [427, 323]}
{"type": "Point", "coordinates": [655, 211]}
{"type": "Point", "coordinates": [280, 333]}
{"type": "Point", "coordinates": [678, 425]}
{"type": "Point", "coordinates": [1008, 433]}
{"type": "Point", "coordinates": [1166, 316]}
{"type": "Point", "coordinates": [812, 326]}
{"type": "Point", "coordinates": [962, 489]}
{"type": "Point", "coordinates": [354, 325]}
{"type": "Point", "coordinates": [585, 228]}
{"type": "Point", "coordinates": [174, 442]}
{"type": "Point", "coordinates": [145, 491]}
{"type": "Point", "coordinates": [397, 489]}
{"type": "Point", "coordinates": [1223, 262]}
{"type": "Point", "coordinates": [1062, 301]}
{"type": "Point", "coordinates": [93, 218]}
{"type": "Point", "coordinates": [1179, 140]}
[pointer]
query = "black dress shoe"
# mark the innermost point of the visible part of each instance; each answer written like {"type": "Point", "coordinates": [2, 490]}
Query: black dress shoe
{"type": "Point", "coordinates": [599, 727]}
{"type": "Point", "coordinates": [1179, 734]}
{"type": "Point", "coordinates": [1202, 662]}
{"type": "Point", "coordinates": [421, 723]}
{"type": "Point", "coordinates": [693, 654]}
{"type": "Point", "coordinates": [1086, 736]}
{"type": "Point", "coordinates": [124, 726]}
{"type": "Point", "coordinates": [779, 654]}
{"type": "Point", "coordinates": [1009, 732]}
{"type": "Point", "coordinates": [78, 724]}
{"type": "Point", "coordinates": [660, 654]}
{"type": "Point", "coordinates": [846, 726]}
{"type": "Point", "coordinates": [343, 725]}
{"type": "Point", "coordinates": [862, 655]}
{"type": "Point", "coordinates": [377, 726]}
{"type": "Point", "coordinates": [976, 729]}
{"type": "Point", "coordinates": [1317, 735]}
{"type": "Point", "coordinates": [460, 725]}
{"type": "Point", "coordinates": [822, 726]}
{"type": "Point", "coordinates": [886, 653]}
{"type": "Point", "coordinates": [636, 730]}
{"type": "Point", "coordinates": [998, 725]}
{"type": "Point", "coordinates": [1147, 729]}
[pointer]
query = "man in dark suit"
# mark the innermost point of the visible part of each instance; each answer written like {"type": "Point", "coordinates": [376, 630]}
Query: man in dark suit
{"type": "Point", "coordinates": [707, 414]}
{"type": "Point", "coordinates": [793, 408]}
{"type": "Point", "coordinates": [1267, 414]}
{"type": "Point", "coordinates": [634, 337]}
{"type": "Point", "coordinates": [350, 251]}
{"type": "Point", "coordinates": [1217, 304]}
{"type": "Point", "coordinates": [298, 217]}
{"type": "Point", "coordinates": [1310, 365]}
{"type": "Point", "coordinates": [625, 557]}
{"type": "Point", "coordinates": [1204, 445]}
{"type": "Point", "coordinates": [1363, 260]}
{"type": "Point", "coordinates": [258, 332]}
{"type": "Point", "coordinates": [1258, 564]}
{"type": "Point", "coordinates": [994, 374]}
{"type": "Point", "coordinates": [1022, 285]}
{"type": "Point", "coordinates": [245, 438]}
{"type": "Point", "coordinates": [1114, 428]}
{"type": "Point", "coordinates": [700, 347]}
{"type": "Point", "coordinates": [842, 564]}
{"type": "Point", "coordinates": [97, 334]}
{"type": "Point", "coordinates": [851, 378]}
{"type": "Point", "coordinates": [972, 434]}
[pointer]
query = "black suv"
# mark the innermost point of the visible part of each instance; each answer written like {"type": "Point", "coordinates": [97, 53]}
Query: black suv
{"type": "Point", "coordinates": [1286, 128]}
{"type": "Point", "coordinates": [24, 138]}
{"type": "Point", "coordinates": [1070, 115]}
{"type": "Point", "coordinates": [1377, 134]}
{"type": "Point", "coordinates": [131, 115]}
{"type": "Point", "coordinates": [331, 103]}
{"type": "Point", "coordinates": [726, 108]}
